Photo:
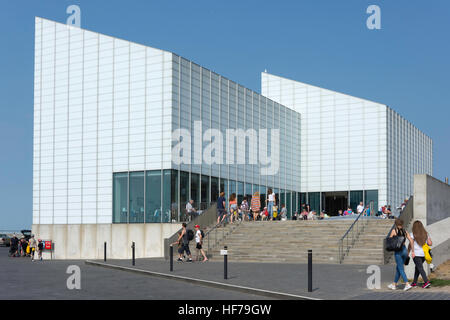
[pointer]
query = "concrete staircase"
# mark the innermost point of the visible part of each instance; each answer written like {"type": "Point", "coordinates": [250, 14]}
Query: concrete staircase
{"type": "Point", "coordinates": [369, 248]}
{"type": "Point", "coordinates": [289, 241]}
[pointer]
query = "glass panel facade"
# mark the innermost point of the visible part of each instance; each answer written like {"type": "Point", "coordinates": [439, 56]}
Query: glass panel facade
{"type": "Point", "coordinates": [372, 195]}
{"type": "Point", "coordinates": [156, 196]}
{"type": "Point", "coordinates": [262, 196]}
{"type": "Point", "coordinates": [171, 215]}
{"type": "Point", "coordinates": [136, 197]}
{"type": "Point", "coordinates": [314, 201]}
{"type": "Point", "coordinates": [214, 189]}
{"type": "Point", "coordinates": [288, 204]}
{"type": "Point", "coordinates": [240, 192]}
{"type": "Point", "coordinates": [248, 192]}
{"type": "Point", "coordinates": [174, 207]}
{"type": "Point", "coordinates": [355, 198]}
{"type": "Point", "coordinates": [205, 190]}
{"type": "Point", "coordinates": [153, 196]}
{"type": "Point", "coordinates": [195, 188]}
{"type": "Point", "coordinates": [184, 193]}
{"type": "Point", "coordinates": [120, 197]}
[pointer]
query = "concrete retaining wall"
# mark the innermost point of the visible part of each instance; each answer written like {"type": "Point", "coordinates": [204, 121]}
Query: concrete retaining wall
{"type": "Point", "coordinates": [86, 241]}
{"type": "Point", "coordinates": [431, 199]}
{"type": "Point", "coordinates": [440, 236]}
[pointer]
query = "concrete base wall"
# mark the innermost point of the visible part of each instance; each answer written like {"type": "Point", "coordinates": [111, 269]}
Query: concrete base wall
{"type": "Point", "coordinates": [431, 199]}
{"type": "Point", "coordinates": [86, 241]}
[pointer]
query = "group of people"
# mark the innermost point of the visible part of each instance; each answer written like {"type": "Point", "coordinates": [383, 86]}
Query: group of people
{"type": "Point", "coordinates": [26, 248]}
{"type": "Point", "coordinates": [419, 242]}
{"type": "Point", "coordinates": [249, 211]}
{"type": "Point", "coordinates": [184, 237]}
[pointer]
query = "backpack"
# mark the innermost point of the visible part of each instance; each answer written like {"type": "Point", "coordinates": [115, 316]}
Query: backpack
{"type": "Point", "coordinates": [190, 235]}
{"type": "Point", "coordinates": [202, 233]}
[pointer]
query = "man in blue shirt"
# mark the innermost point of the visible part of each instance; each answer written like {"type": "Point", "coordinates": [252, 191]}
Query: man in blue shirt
{"type": "Point", "coordinates": [221, 207]}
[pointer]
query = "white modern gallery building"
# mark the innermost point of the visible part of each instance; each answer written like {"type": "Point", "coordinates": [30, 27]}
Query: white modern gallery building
{"type": "Point", "coordinates": [108, 114]}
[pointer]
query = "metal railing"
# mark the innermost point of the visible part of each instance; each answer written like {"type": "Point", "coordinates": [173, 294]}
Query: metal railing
{"type": "Point", "coordinates": [346, 242]}
{"type": "Point", "coordinates": [207, 218]}
{"type": "Point", "coordinates": [216, 235]}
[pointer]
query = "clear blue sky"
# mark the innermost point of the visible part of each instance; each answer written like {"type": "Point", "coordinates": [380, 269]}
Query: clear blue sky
{"type": "Point", "coordinates": [326, 43]}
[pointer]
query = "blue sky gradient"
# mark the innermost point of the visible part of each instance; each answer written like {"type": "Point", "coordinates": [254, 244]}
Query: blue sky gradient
{"type": "Point", "coordinates": [325, 43]}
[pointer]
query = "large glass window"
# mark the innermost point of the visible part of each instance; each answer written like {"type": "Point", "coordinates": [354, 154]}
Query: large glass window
{"type": "Point", "coordinates": [169, 214]}
{"type": "Point", "coordinates": [248, 192]}
{"type": "Point", "coordinates": [136, 197]}
{"type": "Point", "coordinates": [184, 192]}
{"type": "Point", "coordinates": [205, 190]}
{"type": "Point", "coordinates": [153, 196]}
{"type": "Point", "coordinates": [314, 201]}
{"type": "Point", "coordinates": [288, 204]}
{"type": "Point", "coordinates": [214, 188]}
{"type": "Point", "coordinates": [282, 199]}
{"type": "Point", "coordinates": [355, 198]}
{"type": "Point", "coordinates": [195, 189]}
{"type": "Point", "coordinates": [174, 207]}
{"type": "Point", "coordinates": [120, 197]}
{"type": "Point", "coordinates": [232, 187]}
{"type": "Point", "coordinates": [240, 192]}
{"type": "Point", "coordinates": [302, 201]}
{"type": "Point", "coordinates": [372, 195]}
{"type": "Point", "coordinates": [262, 196]}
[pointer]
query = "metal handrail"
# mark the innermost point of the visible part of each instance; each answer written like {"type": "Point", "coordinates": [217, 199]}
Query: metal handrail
{"type": "Point", "coordinates": [359, 226]}
{"type": "Point", "coordinates": [214, 229]}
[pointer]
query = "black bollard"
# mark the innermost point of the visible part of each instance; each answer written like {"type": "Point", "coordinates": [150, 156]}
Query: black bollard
{"type": "Point", "coordinates": [171, 258]}
{"type": "Point", "coordinates": [133, 262]}
{"type": "Point", "coordinates": [104, 252]}
{"type": "Point", "coordinates": [225, 264]}
{"type": "Point", "coordinates": [309, 270]}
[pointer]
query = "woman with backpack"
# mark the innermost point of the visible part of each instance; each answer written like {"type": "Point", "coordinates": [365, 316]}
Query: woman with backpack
{"type": "Point", "coordinates": [199, 235]}
{"type": "Point", "coordinates": [420, 238]}
{"type": "Point", "coordinates": [400, 255]}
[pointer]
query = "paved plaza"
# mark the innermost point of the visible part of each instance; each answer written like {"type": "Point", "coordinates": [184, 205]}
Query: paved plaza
{"type": "Point", "coordinates": [23, 279]}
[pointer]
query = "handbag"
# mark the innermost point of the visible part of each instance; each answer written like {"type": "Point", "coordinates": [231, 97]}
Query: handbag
{"type": "Point", "coordinates": [428, 254]}
{"type": "Point", "coordinates": [395, 243]}
{"type": "Point", "coordinates": [407, 260]}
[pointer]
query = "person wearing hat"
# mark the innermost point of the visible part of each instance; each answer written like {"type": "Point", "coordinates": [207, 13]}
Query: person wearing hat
{"type": "Point", "coordinates": [199, 242]}
{"type": "Point", "coordinates": [32, 244]}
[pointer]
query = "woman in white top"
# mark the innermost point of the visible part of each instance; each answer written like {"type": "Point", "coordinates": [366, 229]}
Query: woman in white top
{"type": "Point", "coordinates": [420, 237]}
{"type": "Point", "coordinates": [270, 202]}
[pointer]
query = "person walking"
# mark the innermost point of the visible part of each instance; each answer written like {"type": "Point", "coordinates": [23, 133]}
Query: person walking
{"type": "Point", "coordinates": [420, 238]}
{"type": "Point", "coordinates": [255, 205]}
{"type": "Point", "coordinates": [184, 238]}
{"type": "Point", "coordinates": [199, 243]}
{"type": "Point", "coordinates": [14, 246]}
{"type": "Point", "coordinates": [40, 247]}
{"type": "Point", "coordinates": [232, 204]}
{"type": "Point", "coordinates": [400, 256]}
{"type": "Point", "coordinates": [33, 246]}
{"type": "Point", "coordinates": [271, 202]}
{"type": "Point", "coordinates": [221, 207]}
{"type": "Point", "coordinates": [245, 209]}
